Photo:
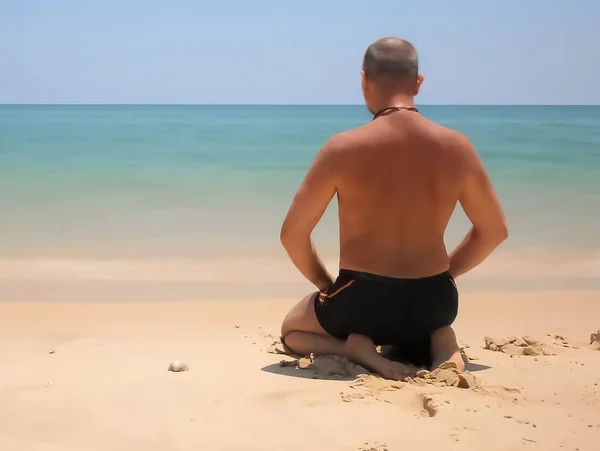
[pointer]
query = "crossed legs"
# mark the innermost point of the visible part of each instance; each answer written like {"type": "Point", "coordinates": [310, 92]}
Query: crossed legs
{"type": "Point", "coordinates": [303, 335]}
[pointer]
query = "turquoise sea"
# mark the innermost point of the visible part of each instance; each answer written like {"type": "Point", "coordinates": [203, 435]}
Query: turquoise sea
{"type": "Point", "coordinates": [196, 194]}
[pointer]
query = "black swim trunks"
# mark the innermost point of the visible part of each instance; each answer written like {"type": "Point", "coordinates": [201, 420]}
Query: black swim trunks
{"type": "Point", "coordinates": [399, 312]}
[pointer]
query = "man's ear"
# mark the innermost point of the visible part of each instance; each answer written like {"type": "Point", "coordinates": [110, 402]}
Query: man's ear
{"type": "Point", "coordinates": [420, 79]}
{"type": "Point", "coordinates": [363, 77]}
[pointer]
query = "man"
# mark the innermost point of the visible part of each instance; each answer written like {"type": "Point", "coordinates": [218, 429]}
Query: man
{"type": "Point", "coordinates": [397, 180]}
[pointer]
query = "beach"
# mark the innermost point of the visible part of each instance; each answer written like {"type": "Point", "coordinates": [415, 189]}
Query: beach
{"type": "Point", "coordinates": [149, 156]}
{"type": "Point", "coordinates": [94, 376]}
{"type": "Point", "coordinates": [134, 236]}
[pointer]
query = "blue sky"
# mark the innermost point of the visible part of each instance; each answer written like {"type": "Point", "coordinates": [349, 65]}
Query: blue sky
{"type": "Point", "coordinates": [244, 51]}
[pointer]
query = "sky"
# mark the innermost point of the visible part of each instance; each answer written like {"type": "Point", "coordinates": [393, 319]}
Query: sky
{"type": "Point", "coordinates": [290, 52]}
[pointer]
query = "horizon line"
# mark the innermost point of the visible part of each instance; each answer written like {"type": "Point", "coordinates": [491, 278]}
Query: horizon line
{"type": "Point", "coordinates": [291, 104]}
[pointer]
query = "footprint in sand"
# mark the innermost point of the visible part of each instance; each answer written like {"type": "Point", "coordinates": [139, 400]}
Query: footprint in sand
{"type": "Point", "coordinates": [264, 334]}
{"type": "Point", "coordinates": [351, 397]}
{"type": "Point", "coordinates": [374, 447]}
{"type": "Point", "coordinates": [517, 346]}
{"type": "Point", "coordinates": [429, 405]}
{"type": "Point", "coordinates": [595, 341]}
{"type": "Point", "coordinates": [370, 387]}
{"type": "Point", "coordinates": [374, 385]}
{"type": "Point", "coordinates": [262, 338]}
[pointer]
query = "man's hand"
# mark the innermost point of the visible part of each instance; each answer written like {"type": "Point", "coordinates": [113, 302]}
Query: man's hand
{"type": "Point", "coordinates": [309, 205]}
{"type": "Point", "coordinates": [482, 207]}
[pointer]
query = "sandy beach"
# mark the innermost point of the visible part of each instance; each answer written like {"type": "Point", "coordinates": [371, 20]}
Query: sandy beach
{"type": "Point", "coordinates": [94, 376]}
{"type": "Point", "coordinates": [167, 168]}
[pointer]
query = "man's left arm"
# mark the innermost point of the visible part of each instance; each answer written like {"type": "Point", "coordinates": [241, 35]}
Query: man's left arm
{"type": "Point", "coordinates": [308, 206]}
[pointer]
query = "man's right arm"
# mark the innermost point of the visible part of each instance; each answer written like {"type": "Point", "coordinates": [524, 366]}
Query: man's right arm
{"type": "Point", "coordinates": [482, 207]}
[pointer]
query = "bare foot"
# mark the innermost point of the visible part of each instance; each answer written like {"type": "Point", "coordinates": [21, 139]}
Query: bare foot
{"type": "Point", "coordinates": [456, 358]}
{"type": "Point", "coordinates": [395, 371]}
{"type": "Point", "coordinates": [444, 348]}
{"type": "Point", "coordinates": [362, 350]}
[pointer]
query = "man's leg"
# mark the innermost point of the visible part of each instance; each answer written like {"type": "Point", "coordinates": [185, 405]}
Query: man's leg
{"type": "Point", "coordinates": [444, 347]}
{"type": "Point", "coordinates": [302, 333]}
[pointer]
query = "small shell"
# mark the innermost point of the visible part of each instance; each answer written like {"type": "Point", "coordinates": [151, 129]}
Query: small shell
{"type": "Point", "coordinates": [178, 366]}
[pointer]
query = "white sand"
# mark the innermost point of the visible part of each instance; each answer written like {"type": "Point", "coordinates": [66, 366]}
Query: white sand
{"type": "Point", "coordinates": [106, 386]}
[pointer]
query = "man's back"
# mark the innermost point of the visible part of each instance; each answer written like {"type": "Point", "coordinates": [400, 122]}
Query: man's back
{"type": "Point", "coordinates": [398, 182]}
{"type": "Point", "coordinates": [397, 179]}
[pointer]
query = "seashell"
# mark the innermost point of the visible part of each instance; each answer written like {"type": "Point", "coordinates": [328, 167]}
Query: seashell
{"type": "Point", "coordinates": [178, 366]}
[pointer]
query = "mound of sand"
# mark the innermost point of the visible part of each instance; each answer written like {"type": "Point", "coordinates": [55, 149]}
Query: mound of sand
{"type": "Point", "coordinates": [446, 375]}
{"type": "Point", "coordinates": [517, 346]}
{"type": "Point", "coordinates": [561, 341]}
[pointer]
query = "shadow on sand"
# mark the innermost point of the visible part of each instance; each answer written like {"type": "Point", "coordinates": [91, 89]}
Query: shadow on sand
{"type": "Point", "coordinates": [308, 374]}
{"type": "Point", "coordinates": [295, 372]}
{"type": "Point", "coordinates": [474, 367]}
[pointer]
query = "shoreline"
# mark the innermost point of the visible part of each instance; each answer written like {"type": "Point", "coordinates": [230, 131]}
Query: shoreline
{"type": "Point", "coordinates": [138, 280]}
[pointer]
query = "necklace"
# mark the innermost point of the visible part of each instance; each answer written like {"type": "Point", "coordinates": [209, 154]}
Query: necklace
{"type": "Point", "coordinates": [393, 109]}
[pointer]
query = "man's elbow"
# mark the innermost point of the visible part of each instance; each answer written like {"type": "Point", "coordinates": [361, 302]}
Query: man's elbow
{"type": "Point", "coordinates": [505, 232]}
{"type": "Point", "coordinates": [492, 235]}
{"type": "Point", "coordinates": [290, 237]}
{"type": "Point", "coordinates": [287, 236]}
{"type": "Point", "coordinates": [501, 234]}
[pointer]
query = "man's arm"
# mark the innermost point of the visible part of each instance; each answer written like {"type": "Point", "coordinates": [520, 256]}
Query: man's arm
{"type": "Point", "coordinates": [482, 207]}
{"type": "Point", "coordinates": [309, 204]}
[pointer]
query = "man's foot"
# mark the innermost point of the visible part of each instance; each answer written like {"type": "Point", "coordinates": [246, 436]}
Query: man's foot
{"type": "Point", "coordinates": [444, 348]}
{"type": "Point", "coordinates": [459, 360]}
{"type": "Point", "coordinates": [362, 350]}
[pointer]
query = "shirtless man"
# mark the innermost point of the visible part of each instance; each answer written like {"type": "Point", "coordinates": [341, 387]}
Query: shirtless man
{"type": "Point", "coordinates": [397, 179]}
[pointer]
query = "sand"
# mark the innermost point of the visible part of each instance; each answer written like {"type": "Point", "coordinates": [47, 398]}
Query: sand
{"type": "Point", "coordinates": [95, 376]}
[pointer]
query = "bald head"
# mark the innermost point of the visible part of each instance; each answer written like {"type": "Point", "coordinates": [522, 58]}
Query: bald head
{"type": "Point", "coordinates": [391, 63]}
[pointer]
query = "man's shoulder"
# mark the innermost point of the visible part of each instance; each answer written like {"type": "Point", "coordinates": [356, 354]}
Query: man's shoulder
{"type": "Point", "coordinates": [449, 135]}
{"type": "Point", "coordinates": [452, 139]}
{"type": "Point", "coordinates": [458, 147]}
{"type": "Point", "coordinates": [356, 138]}
{"type": "Point", "coordinates": [341, 142]}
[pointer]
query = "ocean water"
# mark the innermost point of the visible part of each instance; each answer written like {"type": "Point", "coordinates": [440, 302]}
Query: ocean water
{"type": "Point", "coordinates": [198, 193]}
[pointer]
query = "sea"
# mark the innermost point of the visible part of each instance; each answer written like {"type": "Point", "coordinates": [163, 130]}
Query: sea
{"type": "Point", "coordinates": [175, 202]}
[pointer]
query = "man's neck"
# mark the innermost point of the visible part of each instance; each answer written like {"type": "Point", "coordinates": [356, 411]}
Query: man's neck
{"type": "Point", "coordinates": [394, 100]}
